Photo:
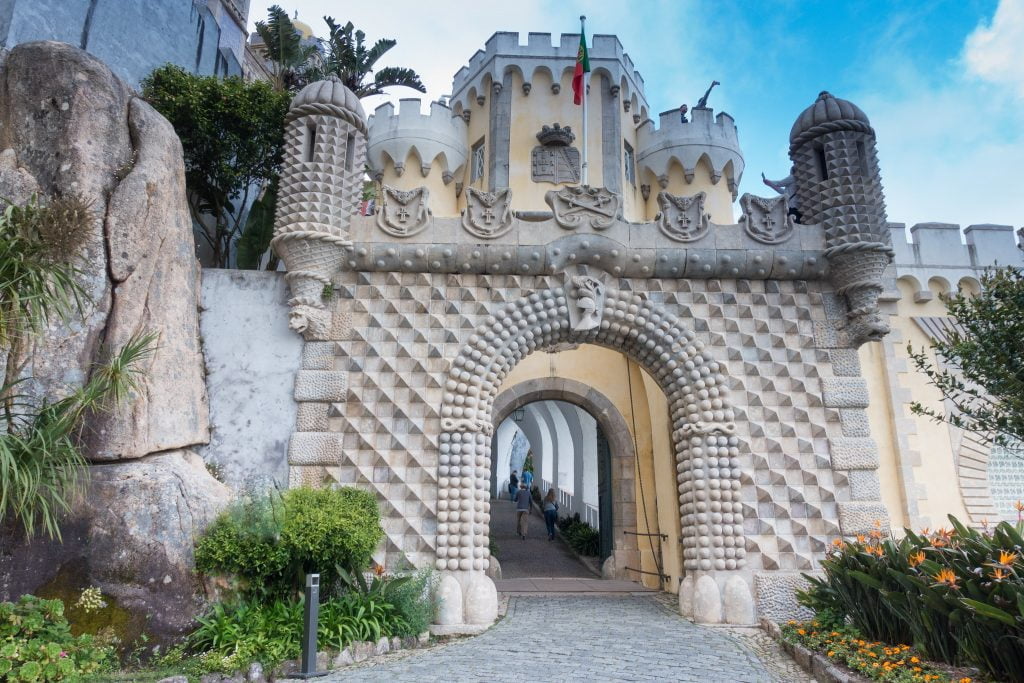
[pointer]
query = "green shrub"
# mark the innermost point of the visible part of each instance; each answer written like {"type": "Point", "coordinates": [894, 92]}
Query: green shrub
{"type": "Point", "coordinates": [956, 594]}
{"type": "Point", "coordinates": [328, 527]}
{"type": "Point", "coordinates": [232, 635]}
{"type": "Point", "coordinates": [36, 644]}
{"type": "Point", "coordinates": [270, 542]}
{"type": "Point", "coordinates": [581, 537]}
{"type": "Point", "coordinates": [412, 596]}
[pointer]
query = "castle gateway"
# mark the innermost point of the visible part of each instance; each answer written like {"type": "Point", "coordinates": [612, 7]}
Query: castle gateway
{"type": "Point", "coordinates": [716, 356]}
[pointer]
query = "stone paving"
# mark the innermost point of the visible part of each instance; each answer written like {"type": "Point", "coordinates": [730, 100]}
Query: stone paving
{"type": "Point", "coordinates": [587, 637]}
{"type": "Point", "coordinates": [536, 556]}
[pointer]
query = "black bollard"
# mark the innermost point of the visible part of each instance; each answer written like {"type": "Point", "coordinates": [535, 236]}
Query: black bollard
{"type": "Point", "coordinates": [310, 617]}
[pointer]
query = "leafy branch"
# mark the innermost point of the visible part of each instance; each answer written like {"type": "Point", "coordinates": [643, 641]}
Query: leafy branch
{"type": "Point", "coordinates": [982, 360]}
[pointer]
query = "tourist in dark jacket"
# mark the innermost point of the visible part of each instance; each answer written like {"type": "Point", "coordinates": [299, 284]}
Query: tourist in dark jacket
{"type": "Point", "coordinates": [550, 508]}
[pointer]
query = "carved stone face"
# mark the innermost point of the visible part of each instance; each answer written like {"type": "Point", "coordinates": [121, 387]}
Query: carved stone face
{"type": "Point", "coordinates": [310, 322]}
{"type": "Point", "coordinates": [868, 327]}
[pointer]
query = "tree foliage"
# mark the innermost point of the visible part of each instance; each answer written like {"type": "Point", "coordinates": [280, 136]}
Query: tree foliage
{"type": "Point", "coordinates": [232, 134]}
{"type": "Point", "coordinates": [981, 368]}
{"type": "Point", "coordinates": [347, 56]}
{"type": "Point", "coordinates": [289, 59]}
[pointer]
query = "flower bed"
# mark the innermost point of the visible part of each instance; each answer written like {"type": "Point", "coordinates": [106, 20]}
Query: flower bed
{"type": "Point", "coordinates": [956, 595]}
{"type": "Point", "coordinates": [872, 659]}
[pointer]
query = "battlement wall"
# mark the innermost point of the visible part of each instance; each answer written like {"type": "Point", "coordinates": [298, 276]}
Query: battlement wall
{"type": "Point", "coordinates": [438, 135]}
{"type": "Point", "coordinates": [503, 53]}
{"type": "Point", "coordinates": [703, 135]}
{"type": "Point", "coordinates": [940, 250]}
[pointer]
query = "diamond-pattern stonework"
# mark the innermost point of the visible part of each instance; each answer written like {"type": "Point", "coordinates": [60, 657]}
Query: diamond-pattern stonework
{"type": "Point", "coordinates": [406, 327]}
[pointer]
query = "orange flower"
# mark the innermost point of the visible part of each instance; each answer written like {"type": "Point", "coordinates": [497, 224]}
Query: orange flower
{"type": "Point", "coordinates": [1007, 558]}
{"type": "Point", "coordinates": [378, 569]}
{"type": "Point", "coordinates": [1018, 506]}
{"type": "Point", "coordinates": [938, 542]}
{"type": "Point", "coordinates": [965, 679]}
{"type": "Point", "coordinates": [998, 574]}
{"type": "Point", "coordinates": [916, 558]}
{"type": "Point", "coordinates": [801, 632]}
{"type": "Point", "coordinates": [926, 531]}
{"type": "Point", "coordinates": [914, 660]}
{"type": "Point", "coordinates": [861, 538]}
{"type": "Point", "coordinates": [875, 533]}
{"type": "Point", "coordinates": [946, 577]}
{"type": "Point", "coordinates": [831, 653]}
{"type": "Point", "coordinates": [837, 542]}
{"type": "Point", "coordinates": [875, 550]}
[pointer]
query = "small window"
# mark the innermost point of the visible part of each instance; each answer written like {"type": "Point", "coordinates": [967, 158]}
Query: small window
{"type": "Point", "coordinates": [310, 142]}
{"type": "Point", "coordinates": [630, 163]}
{"type": "Point", "coordinates": [819, 157]}
{"type": "Point", "coordinates": [476, 171]}
{"type": "Point", "coordinates": [350, 152]}
{"type": "Point", "coordinates": [862, 157]}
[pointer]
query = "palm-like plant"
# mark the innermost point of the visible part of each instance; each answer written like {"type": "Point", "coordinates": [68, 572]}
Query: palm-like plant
{"type": "Point", "coordinates": [41, 468]}
{"type": "Point", "coordinates": [289, 59]}
{"type": "Point", "coordinates": [349, 58]}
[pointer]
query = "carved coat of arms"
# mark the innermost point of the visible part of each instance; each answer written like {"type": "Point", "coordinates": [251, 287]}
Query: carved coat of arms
{"type": "Point", "coordinates": [555, 160]}
{"type": "Point", "coordinates": [682, 218]}
{"type": "Point", "coordinates": [404, 212]}
{"type": "Point", "coordinates": [487, 214]}
{"type": "Point", "coordinates": [766, 220]}
{"type": "Point", "coordinates": [574, 206]}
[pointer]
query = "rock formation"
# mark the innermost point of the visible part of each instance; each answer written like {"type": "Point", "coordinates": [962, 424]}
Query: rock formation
{"type": "Point", "coordinates": [69, 126]}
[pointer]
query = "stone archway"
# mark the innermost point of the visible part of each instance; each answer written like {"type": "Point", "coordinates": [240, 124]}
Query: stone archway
{"type": "Point", "coordinates": [616, 430]}
{"type": "Point", "coordinates": [584, 310]}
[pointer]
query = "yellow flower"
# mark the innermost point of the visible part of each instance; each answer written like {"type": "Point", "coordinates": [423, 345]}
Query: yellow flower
{"type": "Point", "coordinates": [915, 660]}
{"type": "Point", "coordinates": [1007, 558]}
{"type": "Point", "coordinates": [831, 653]}
{"type": "Point", "coordinates": [965, 679]}
{"type": "Point", "coordinates": [946, 577]}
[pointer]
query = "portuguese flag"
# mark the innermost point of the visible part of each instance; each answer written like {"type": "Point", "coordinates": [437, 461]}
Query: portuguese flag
{"type": "Point", "coordinates": [582, 67]}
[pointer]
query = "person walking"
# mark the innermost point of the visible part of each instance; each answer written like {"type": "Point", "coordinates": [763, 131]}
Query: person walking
{"type": "Point", "coordinates": [513, 485]}
{"type": "Point", "coordinates": [522, 511]}
{"type": "Point", "coordinates": [528, 479]}
{"type": "Point", "coordinates": [550, 508]}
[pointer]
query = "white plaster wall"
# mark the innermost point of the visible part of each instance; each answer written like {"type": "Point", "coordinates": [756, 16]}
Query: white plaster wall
{"type": "Point", "coordinates": [252, 359]}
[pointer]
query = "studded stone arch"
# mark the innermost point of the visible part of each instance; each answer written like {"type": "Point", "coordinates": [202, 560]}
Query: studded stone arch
{"type": "Point", "coordinates": [703, 428]}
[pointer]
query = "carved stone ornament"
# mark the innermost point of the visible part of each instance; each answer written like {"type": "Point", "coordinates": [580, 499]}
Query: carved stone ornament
{"type": "Point", "coordinates": [682, 218]}
{"type": "Point", "coordinates": [574, 206]}
{"type": "Point", "coordinates": [587, 296]}
{"type": "Point", "coordinates": [404, 213]}
{"type": "Point", "coordinates": [487, 214]}
{"type": "Point", "coordinates": [766, 220]}
{"type": "Point", "coordinates": [555, 160]}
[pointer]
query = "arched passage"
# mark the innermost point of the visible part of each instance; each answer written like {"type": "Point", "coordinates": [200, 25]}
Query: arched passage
{"type": "Point", "coordinates": [616, 431]}
{"type": "Point", "coordinates": [584, 310]}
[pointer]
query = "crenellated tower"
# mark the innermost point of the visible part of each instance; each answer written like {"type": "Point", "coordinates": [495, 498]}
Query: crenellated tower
{"type": "Point", "coordinates": [409, 149]}
{"type": "Point", "coordinates": [838, 184]}
{"type": "Point", "coordinates": [321, 185]}
{"type": "Point", "coordinates": [704, 150]}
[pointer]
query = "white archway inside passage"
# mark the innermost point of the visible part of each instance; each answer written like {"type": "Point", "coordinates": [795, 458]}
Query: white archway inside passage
{"type": "Point", "coordinates": [563, 440]}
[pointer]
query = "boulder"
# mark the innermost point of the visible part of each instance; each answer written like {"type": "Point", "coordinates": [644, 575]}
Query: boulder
{"type": "Point", "coordinates": [132, 535]}
{"type": "Point", "coordinates": [68, 126]}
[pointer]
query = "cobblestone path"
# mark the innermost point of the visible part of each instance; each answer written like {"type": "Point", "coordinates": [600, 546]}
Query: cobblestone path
{"type": "Point", "coordinates": [584, 638]}
{"type": "Point", "coordinates": [536, 556]}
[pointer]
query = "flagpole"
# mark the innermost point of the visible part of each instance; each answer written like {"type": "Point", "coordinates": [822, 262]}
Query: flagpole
{"type": "Point", "coordinates": [586, 84]}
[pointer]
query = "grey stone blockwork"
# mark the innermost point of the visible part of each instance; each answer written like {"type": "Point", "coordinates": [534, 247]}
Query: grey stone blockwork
{"type": "Point", "coordinates": [776, 596]}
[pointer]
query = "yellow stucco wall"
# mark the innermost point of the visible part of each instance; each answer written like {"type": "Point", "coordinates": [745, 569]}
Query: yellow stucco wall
{"type": "Point", "coordinates": [719, 199]}
{"type": "Point", "coordinates": [642, 403]}
{"type": "Point", "coordinates": [892, 383]}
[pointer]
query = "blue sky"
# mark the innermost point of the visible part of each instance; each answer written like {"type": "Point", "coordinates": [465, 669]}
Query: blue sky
{"type": "Point", "coordinates": [941, 81]}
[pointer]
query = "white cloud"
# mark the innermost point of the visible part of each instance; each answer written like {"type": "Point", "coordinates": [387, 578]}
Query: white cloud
{"type": "Point", "coordinates": [995, 52]}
